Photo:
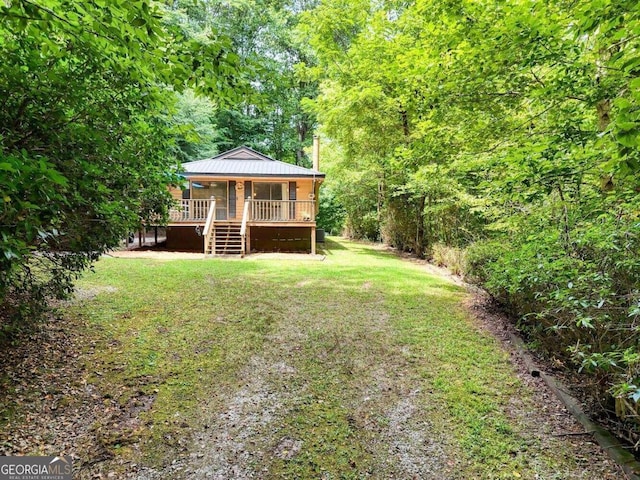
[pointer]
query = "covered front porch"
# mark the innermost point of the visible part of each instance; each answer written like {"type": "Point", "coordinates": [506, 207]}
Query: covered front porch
{"type": "Point", "coordinates": [266, 225]}
{"type": "Point", "coordinates": [195, 211]}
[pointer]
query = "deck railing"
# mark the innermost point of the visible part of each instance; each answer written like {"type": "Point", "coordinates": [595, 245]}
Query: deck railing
{"type": "Point", "coordinates": [209, 232]}
{"type": "Point", "coordinates": [282, 210]}
{"type": "Point", "coordinates": [208, 224]}
{"type": "Point", "coordinates": [243, 227]}
{"type": "Point", "coordinates": [277, 211]}
{"type": "Point", "coordinates": [191, 210]}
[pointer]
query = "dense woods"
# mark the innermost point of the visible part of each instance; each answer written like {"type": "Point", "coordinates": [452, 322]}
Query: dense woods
{"type": "Point", "coordinates": [500, 138]}
{"type": "Point", "coordinates": [84, 91]}
{"type": "Point", "coordinates": [269, 117]}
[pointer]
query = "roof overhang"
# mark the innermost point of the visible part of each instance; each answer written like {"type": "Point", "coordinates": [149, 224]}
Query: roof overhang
{"type": "Point", "coordinates": [317, 176]}
{"type": "Point", "coordinates": [244, 162]}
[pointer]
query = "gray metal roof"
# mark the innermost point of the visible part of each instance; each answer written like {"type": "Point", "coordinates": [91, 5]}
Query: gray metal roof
{"type": "Point", "coordinates": [246, 162]}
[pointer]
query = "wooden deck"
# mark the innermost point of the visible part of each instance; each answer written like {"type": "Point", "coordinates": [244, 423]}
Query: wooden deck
{"type": "Point", "coordinates": [271, 213]}
{"type": "Point", "coordinates": [223, 235]}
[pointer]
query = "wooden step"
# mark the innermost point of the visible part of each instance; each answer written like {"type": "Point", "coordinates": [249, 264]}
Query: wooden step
{"type": "Point", "coordinates": [227, 240]}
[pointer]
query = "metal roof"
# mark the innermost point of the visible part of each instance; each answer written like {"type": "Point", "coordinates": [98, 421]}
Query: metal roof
{"type": "Point", "coordinates": [246, 162]}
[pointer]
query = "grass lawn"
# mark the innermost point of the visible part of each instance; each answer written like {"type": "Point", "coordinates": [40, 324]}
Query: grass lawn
{"type": "Point", "coordinates": [361, 365]}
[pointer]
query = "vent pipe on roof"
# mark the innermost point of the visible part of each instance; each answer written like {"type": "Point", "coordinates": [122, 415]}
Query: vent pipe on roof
{"type": "Point", "coordinates": [316, 153]}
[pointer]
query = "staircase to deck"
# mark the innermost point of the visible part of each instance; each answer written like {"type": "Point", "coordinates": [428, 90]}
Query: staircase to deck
{"type": "Point", "coordinates": [221, 238]}
{"type": "Point", "coordinates": [224, 240]}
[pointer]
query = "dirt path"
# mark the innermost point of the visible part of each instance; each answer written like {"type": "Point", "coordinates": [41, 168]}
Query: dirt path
{"type": "Point", "coordinates": [252, 430]}
{"type": "Point", "coordinates": [249, 432]}
{"type": "Point", "coordinates": [364, 367]}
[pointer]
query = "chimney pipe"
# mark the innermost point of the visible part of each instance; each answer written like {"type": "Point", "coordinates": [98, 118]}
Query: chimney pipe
{"type": "Point", "coordinates": [316, 153]}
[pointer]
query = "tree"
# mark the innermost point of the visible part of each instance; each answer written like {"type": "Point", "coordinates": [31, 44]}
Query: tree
{"type": "Point", "coordinates": [511, 127]}
{"type": "Point", "coordinates": [270, 118]}
{"type": "Point", "coordinates": [85, 147]}
{"type": "Point", "coordinates": [194, 123]}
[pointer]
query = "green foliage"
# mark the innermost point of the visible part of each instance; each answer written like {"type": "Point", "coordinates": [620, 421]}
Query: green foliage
{"type": "Point", "coordinates": [513, 127]}
{"type": "Point", "coordinates": [580, 303]}
{"type": "Point", "coordinates": [269, 117]}
{"type": "Point", "coordinates": [330, 214]}
{"type": "Point", "coordinates": [85, 147]}
{"type": "Point", "coordinates": [360, 198]}
{"type": "Point", "coordinates": [194, 124]}
{"type": "Point", "coordinates": [32, 195]}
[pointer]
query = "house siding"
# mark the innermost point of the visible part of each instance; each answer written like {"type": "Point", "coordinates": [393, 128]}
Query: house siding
{"type": "Point", "coordinates": [176, 193]}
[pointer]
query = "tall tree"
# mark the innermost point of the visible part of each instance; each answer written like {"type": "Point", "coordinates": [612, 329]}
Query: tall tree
{"type": "Point", "coordinates": [513, 125]}
{"type": "Point", "coordinates": [262, 32]}
{"type": "Point", "coordinates": [85, 148]}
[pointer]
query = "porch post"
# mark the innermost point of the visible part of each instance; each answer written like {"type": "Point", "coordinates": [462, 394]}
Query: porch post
{"type": "Point", "coordinates": [313, 240]}
{"type": "Point", "coordinates": [248, 238]}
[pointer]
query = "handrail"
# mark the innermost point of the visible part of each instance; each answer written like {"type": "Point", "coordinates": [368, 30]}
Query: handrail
{"type": "Point", "coordinates": [211, 215]}
{"type": "Point", "coordinates": [190, 210]}
{"type": "Point", "coordinates": [282, 210]}
{"type": "Point", "coordinates": [243, 226]}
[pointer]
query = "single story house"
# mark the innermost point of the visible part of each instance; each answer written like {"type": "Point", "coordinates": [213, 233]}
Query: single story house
{"type": "Point", "coordinates": [242, 201]}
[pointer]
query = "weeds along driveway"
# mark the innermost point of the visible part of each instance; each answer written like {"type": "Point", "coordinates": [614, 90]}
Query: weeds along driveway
{"type": "Point", "coordinates": [360, 366]}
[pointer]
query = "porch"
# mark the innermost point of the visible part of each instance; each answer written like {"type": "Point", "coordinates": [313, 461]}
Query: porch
{"type": "Point", "coordinates": [224, 234]}
{"type": "Point", "coordinates": [268, 212]}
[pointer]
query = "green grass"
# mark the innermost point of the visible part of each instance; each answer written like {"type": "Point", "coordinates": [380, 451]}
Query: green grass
{"type": "Point", "coordinates": [360, 331]}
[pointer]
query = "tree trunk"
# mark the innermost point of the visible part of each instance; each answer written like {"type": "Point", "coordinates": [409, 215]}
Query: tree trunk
{"type": "Point", "coordinates": [420, 230]}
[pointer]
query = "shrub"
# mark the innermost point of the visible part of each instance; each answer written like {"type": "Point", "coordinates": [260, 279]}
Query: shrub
{"type": "Point", "coordinates": [331, 214]}
{"type": "Point", "coordinates": [479, 257]}
{"type": "Point", "coordinates": [365, 227]}
{"type": "Point", "coordinates": [453, 258]}
{"type": "Point", "coordinates": [579, 301]}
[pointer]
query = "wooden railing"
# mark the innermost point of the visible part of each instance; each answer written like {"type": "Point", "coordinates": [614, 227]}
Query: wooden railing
{"type": "Point", "coordinates": [196, 210]}
{"type": "Point", "coordinates": [243, 227]}
{"type": "Point", "coordinates": [282, 210]}
{"type": "Point", "coordinates": [209, 231]}
{"type": "Point", "coordinates": [192, 210]}
{"type": "Point", "coordinates": [208, 225]}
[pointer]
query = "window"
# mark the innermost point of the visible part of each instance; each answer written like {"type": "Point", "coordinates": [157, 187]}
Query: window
{"type": "Point", "coordinates": [269, 191]}
{"type": "Point", "coordinates": [206, 190]}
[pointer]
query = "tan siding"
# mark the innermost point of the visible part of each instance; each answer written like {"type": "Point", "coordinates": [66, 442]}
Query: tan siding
{"type": "Point", "coordinates": [175, 193]}
{"type": "Point", "coordinates": [305, 187]}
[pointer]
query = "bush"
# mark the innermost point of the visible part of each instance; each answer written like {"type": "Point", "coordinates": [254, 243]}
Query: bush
{"type": "Point", "coordinates": [331, 214]}
{"type": "Point", "coordinates": [478, 259]}
{"type": "Point", "coordinates": [402, 226]}
{"type": "Point", "coordinates": [365, 227]}
{"type": "Point", "coordinates": [453, 258]}
{"type": "Point", "coordinates": [580, 301]}
{"type": "Point", "coordinates": [85, 139]}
